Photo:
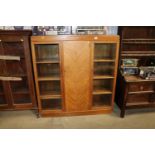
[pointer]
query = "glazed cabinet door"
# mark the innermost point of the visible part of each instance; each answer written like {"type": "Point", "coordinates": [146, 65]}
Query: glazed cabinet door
{"type": "Point", "coordinates": [18, 77]}
{"type": "Point", "coordinates": [5, 99]}
{"type": "Point", "coordinates": [47, 70]}
{"type": "Point", "coordinates": [104, 74]}
{"type": "Point", "coordinates": [77, 67]}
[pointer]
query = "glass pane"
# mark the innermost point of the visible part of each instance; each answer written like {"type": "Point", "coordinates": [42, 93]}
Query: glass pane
{"type": "Point", "coordinates": [21, 98]}
{"type": "Point", "coordinates": [1, 87]}
{"type": "Point", "coordinates": [16, 68]}
{"type": "Point", "coordinates": [50, 88]}
{"type": "Point", "coordinates": [2, 97]}
{"type": "Point", "coordinates": [20, 86]}
{"type": "Point", "coordinates": [2, 69]}
{"type": "Point", "coordinates": [47, 52]}
{"type": "Point", "coordinates": [104, 51]}
{"type": "Point", "coordinates": [45, 70]}
{"type": "Point", "coordinates": [2, 100]}
{"type": "Point", "coordinates": [51, 104]}
{"type": "Point", "coordinates": [104, 68]}
{"type": "Point", "coordinates": [103, 84]}
{"type": "Point", "coordinates": [101, 100]}
{"type": "Point", "coordinates": [13, 48]}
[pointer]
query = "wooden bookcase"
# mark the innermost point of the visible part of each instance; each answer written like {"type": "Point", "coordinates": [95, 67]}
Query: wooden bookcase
{"type": "Point", "coordinates": [137, 42]}
{"type": "Point", "coordinates": [16, 78]}
{"type": "Point", "coordinates": [75, 74]}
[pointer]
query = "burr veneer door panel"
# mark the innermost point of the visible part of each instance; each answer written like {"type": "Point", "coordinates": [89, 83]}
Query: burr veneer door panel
{"type": "Point", "coordinates": [77, 63]}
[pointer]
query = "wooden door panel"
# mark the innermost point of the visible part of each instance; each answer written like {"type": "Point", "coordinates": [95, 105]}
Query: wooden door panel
{"type": "Point", "coordinates": [77, 75]}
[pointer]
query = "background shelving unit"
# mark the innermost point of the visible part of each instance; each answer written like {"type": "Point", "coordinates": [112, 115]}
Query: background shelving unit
{"type": "Point", "coordinates": [16, 78]}
{"type": "Point", "coordinates": [137, 42]}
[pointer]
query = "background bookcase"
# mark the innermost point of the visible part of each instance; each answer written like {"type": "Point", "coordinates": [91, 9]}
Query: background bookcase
{"type": "Point", "coordinates": [137, 42]}
{"type": "Point", "coordinates": [75, 74]}
{"type": "Point", "coordinates": [16, 79]}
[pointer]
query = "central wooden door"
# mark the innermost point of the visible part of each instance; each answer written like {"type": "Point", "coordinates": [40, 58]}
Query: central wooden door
{"type": "Point", "coordinates": [77, 75]}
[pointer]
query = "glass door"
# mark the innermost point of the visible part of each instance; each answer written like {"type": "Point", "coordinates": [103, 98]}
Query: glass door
{"type": "Point", "coordinates": [2, 96]}
{"type": "Point", "coordinates": [103, 78]}
{"type": "Point", "coordinates": [15, 62]}
{"type": "Point", "coordinates": [48, 75]}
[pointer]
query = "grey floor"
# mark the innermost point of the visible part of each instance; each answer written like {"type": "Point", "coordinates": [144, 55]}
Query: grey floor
{"type": "Point", "coordinates": [135, 119]}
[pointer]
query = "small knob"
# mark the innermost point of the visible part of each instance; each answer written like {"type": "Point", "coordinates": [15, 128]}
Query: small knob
{"type": "Point", "coordinates": [21, 40]}
{"type": "Point", "coordinates": [141, 87]}
{"type": "Point", "coordinates": [95, 38]}
{"type": "Point", "coordinates": [0, 40]}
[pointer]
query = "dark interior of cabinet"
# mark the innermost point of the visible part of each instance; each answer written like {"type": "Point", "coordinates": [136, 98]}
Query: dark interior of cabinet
{"type": "Point", "coordinates": [16, 68]}
{"type": "Point", "coordinates": [1, 87]}
{"type": "Point", "coordinates": [142, 61]}
{"type": "Point", "coordinates": [13, 48]}
{"type": "Point", "coordinates": [20, 86]}
{"type": "Point", "coordinates": [2, 98]}
{"type": "Point", "coordinates": [47, 52]}
{"type": "Point", "coordinates": [2, 69]}
{"type": "Point", "coordinates": [102, 100]}
{"type": "Point", "coordinates": [132, 47]}
{"type": "Point", "coordinates": [103, 84]}
{"type": "Point", "coordinates": [102, 68]}
{"type": "Point", "coordinates": [48, 70]}
{"type": "Point", "coordinates": [138, 32]}
{"type": "Point", "coordinates": [104, 51]}
{"type": "Point", "coordinates": [50, 87]}
{"type": "Point", "coordinates": [51, 104]}
{"type": "Point", "coordinates": [20, 91]}
{"type": "Point", "coordinates": [21, 98]}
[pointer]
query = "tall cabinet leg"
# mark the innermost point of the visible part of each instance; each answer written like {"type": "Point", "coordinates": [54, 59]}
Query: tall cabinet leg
{"type": "Point", "coordinates": [123, 104]}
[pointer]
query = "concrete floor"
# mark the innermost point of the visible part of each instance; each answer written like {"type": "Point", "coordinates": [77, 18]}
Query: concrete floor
{"type": "Point", "coordinates": [136, 119]}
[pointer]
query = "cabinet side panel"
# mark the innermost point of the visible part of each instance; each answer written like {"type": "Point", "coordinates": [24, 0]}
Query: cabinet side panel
{"type": "Point", "coordinates": [77, 73]}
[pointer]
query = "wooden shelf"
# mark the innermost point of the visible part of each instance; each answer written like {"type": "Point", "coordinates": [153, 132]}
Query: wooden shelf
{"type": "Point", "coordinates": [132, 78]}
{"type": "Point", "coordinates": [100, 92]}
{"type": "Point", "coordinates": [138, 52]}
{"type": "Point", "coordinates": [90, 29]}
{"type": "Point", "coordinates": [104, 60]}
{"type": "Point", "coordinates": [5, 78]}
{"type": "Point", "coordinates": [47, 62]}
{"type": "Point", "coordinates": [49, 93]}
{"type": "Point", "coordinates": [8, 57]}
{"type": "Point", "coordinates": [137, 55]}
{"type": "Point", "coordinates": [100, 105]}
{"type": "Point", "coordinates": [139, 39]}
{"type": "Point", "coordinates": [142, 92]}
{"type": "Point", "coordinates": [48, 79]}
{"type": "Point", "coordinates": [136, 42]}
{"type": "Point", "coordinates": [139, 104]}
{"type": "Point", "coordinates": [50, 96]}
{"type": "Point", "coordinates": [103, 77]}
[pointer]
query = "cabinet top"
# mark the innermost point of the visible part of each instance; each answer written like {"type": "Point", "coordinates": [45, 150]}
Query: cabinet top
{"type": "Point", "coordinates": [106, 38]}
{"type": "Point", "coordinates": [16, 32]}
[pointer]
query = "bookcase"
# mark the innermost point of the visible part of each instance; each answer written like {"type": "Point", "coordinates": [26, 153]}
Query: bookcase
{"type": "Point", "coordinates": [133, 91]}
{"type": "Point", "coordinates": [75, 74]}
{"type": "Point", "coordinates": [16, 78]}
